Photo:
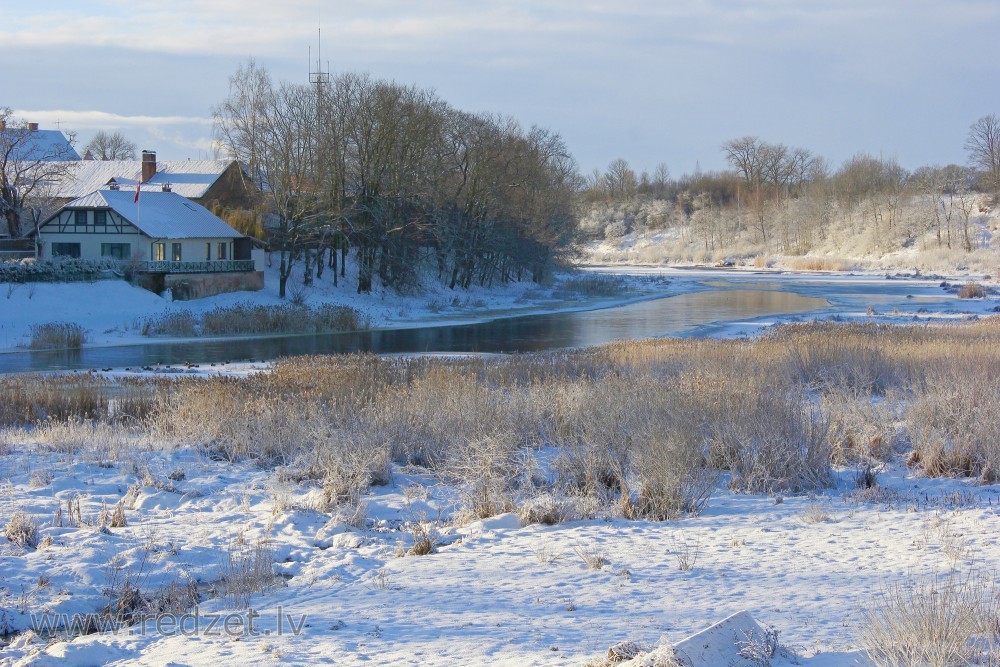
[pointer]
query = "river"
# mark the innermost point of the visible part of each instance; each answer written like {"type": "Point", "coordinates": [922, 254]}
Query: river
{"type": "Point", "coordinates": [696, 303]}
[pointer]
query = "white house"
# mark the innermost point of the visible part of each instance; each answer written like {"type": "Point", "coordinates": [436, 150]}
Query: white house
{"type": "Point", "coordinates": [168, 238]}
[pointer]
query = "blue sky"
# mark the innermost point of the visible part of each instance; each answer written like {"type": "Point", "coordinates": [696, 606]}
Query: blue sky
{"type": "Point", "coordinates": [644, 80]}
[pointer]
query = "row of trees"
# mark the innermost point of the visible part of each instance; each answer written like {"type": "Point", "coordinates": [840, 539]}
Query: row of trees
{"type": "Point", "coordinates": [784, 198]}
{"type": "Point", "coordinates": [393, 177]}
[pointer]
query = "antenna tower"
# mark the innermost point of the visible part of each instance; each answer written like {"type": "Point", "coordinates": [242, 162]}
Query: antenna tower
{"type": "Point", "coordinates": [319, 78]}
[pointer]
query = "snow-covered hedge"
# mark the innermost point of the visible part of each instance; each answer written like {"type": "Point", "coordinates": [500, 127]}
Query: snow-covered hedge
{"type": "Point", "coordinates": [60, 270]}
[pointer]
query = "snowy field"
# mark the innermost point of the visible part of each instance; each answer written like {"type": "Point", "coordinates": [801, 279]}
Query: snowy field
{"type": "Point", "coordinates": [493, 592]}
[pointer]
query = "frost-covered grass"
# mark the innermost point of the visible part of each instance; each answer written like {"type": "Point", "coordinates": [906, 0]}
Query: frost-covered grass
{"type": "Point", "coordinates": [57, 336]}
{"type": "Point", "coordinates": [249, 318]}
{"type": "Point", "coordinates": [586, 494]}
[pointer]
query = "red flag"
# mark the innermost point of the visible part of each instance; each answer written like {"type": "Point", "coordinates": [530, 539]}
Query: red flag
{"type": "Point", "coordinates": [136, 199]}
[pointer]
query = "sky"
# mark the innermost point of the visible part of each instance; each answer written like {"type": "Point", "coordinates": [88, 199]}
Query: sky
{"type": "Point", "coordinates": [648, 81]}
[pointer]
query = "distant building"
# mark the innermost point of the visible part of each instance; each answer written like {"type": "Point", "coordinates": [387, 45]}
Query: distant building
{"type": "Point", "coordinates": [169, 240]}
{"type": "Point", "coordinates": [39, 145]}
{"type": "Point", "coordinates": [30, 160]}
{"type": "Point", "coordinates": [206, 182]}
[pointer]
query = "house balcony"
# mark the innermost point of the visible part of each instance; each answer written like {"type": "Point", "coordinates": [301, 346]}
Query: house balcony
{"type": "Point", "coordinates": [215, 266]}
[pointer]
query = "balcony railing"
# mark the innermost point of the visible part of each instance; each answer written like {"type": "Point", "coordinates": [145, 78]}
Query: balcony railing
{"type": "Point", "coordinates": [217, 266]}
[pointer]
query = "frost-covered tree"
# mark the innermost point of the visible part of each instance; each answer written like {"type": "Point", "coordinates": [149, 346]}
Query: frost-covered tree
{"type": "Point", "coordinates": [28, 164]}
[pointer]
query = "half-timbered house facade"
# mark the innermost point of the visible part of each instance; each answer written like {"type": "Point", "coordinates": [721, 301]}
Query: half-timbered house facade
{"type": "Point", "coordinates": [160, 233]}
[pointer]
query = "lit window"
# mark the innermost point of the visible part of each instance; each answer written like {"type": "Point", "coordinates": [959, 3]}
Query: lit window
{"type": "Point", "coordinates": [222, 251]}
{"type": "Point", "coordinates": [175, 252]}
{"type": "Point", "coordinates": [159, 252]}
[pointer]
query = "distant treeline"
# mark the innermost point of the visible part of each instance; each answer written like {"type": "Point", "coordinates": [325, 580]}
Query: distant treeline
{"type": "Point", "coordinates": [781, 199]}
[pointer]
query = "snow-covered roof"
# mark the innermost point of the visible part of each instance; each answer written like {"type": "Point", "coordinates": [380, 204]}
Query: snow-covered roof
{"type": "Point", "coordinates": [48, 145]}
{"type": "Point", "coordinates": [188, 178]}
{"type": "Point", "coordinates": [159, 215]}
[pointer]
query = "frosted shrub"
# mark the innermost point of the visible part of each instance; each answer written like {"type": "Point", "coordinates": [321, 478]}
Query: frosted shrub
{"type": "Point", "coordinates": [972, 290]}
{"type": "Point", "coordinates": [635, 432]}
{"type": "Point", "coordinates": [552, 509]}
{"type": "Point", "coordinates": [247, 568]}
{"type": "Point", "coordinates": [769, 440]}
{"type": "Point", "coordinates": [862, 427]}
{"type": "Point", "coordinates": [615, 230]}
{"type": "Point", "coordinates": [596, 425]}
{"type": "Point", "coordinates": [486, 469]}
{"type": "Point", "coordinates": [938, 622]}
{"type": "Point", "coordinates": [444, 408]}
{"type": "Point", "coordinates": [672, 461]}
{"type": "Point", "coordinates": [953, 423]}
{"type": "Point", "coordinates": [347, 464]}
{"type": "Point", "coordinates": [22, 530]}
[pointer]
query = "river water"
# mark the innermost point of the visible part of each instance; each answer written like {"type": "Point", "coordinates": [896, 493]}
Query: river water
{"type": "Point", "coordinates": [708, 302]}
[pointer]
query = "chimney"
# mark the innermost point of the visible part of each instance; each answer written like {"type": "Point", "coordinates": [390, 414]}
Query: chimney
{"type": "Point", "coordinates": [33, 127]}
{"type": "Point", "coordinates": [148, 165]}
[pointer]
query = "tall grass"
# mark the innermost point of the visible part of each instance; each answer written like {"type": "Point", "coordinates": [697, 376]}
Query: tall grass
{"type": "Point", "coordinates": [938, 622]}
{"type": "Point", "coordinates": [248, 318]}
{"type": "Point", "coordinates": [952, 418]}
{"type": "Point", "coordinates": [647, 427]}
{"type": "Point", "coordinates": [30, 398]}
{"type": "Point", "coordinates": [592, 286]}
{"type": "Point", "coordinates": [57, 336]}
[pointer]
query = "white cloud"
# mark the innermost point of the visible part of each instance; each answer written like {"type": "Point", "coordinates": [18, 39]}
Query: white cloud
{"type": "Point", "coordinates": [103, 120]}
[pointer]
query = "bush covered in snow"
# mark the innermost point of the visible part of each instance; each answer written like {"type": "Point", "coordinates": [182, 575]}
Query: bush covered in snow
{"type": "Point", "coordinates": [61, 269]}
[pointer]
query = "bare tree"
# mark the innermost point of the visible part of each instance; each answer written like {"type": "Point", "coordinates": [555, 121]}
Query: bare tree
{"type": "Point", "coordinates": [240, 118]}
{"type": "Point", "coordinates": [620, 180]}
{"type": "Point", "coordinates": [661, 180]}
{"type": "Point", "coordinates": [747, 155]}
{"type": "Point", "coordinates": [110, 146]}
{"type": "Point", "coordinates": [983, 146]}
{"type": "Point", "coordinates": [27, 164]}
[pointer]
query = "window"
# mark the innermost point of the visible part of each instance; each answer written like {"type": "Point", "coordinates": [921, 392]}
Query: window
{"type": "Point", "coordinates": [159, 252]}
{"type": "Point", "coordinates": [175, 252]}
{"type": "Point", "coordinates": [66, 249]}
{"type": "Point", "coordinates": [222, 251]}
{"type": "Point", "coordinates": [208, 252]}
{"type": "Point", "coordinates": [81, 219]}
{"type": "Point", "coordinates": [116, 250]}
{"type": "Point", "coordinates": [100, 217]}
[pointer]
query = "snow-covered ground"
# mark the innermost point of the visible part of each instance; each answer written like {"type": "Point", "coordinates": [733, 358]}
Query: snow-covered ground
{"type": "Point", "coordinates": [493, 592]}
